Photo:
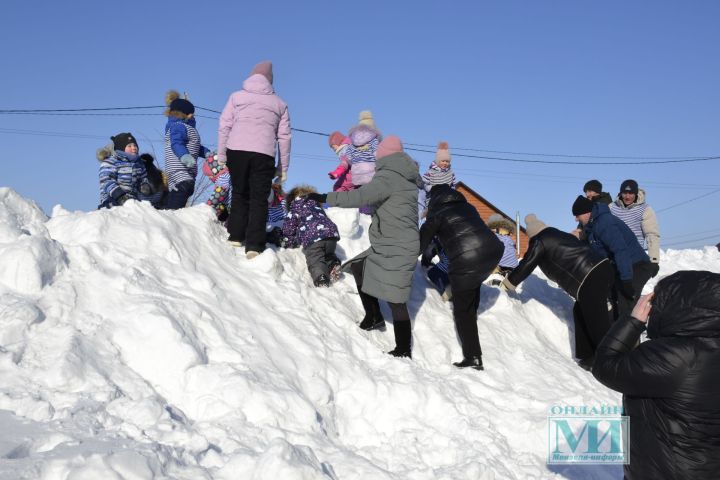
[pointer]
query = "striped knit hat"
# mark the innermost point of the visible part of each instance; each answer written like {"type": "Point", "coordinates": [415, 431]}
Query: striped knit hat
{"type": "Point", "coordinates": [443, 152]}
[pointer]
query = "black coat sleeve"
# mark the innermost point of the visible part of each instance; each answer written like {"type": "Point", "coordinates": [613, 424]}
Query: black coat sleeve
{"type": "Point", "coordinates": [654, 369]}
{"type": "Point", "coordinates": [527, 264]}
{"type": "Point", "coordinates": [428, 231]}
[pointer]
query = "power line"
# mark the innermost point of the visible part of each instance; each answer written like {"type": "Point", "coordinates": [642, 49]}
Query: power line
{"type": "Point", "coordinates": [657, 161]}
{"type": "Point", "coordinates": [689, 200]}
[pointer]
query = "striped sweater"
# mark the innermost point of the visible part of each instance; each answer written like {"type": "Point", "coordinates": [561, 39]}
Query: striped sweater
{"type": "Point", "coordinates": [181, 137]}
{"type": "Point", "coordinates": [509, 258]}
{"type": "Point", "coordinates": [641, 219]}
{"type": "Point", "coordinates": [438, 176]}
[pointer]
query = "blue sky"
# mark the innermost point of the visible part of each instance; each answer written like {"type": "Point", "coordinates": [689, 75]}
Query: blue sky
{"type": "Point", "coordinates": [632, 79]}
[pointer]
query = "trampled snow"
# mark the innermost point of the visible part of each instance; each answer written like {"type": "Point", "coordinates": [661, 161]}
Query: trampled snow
{"type": "Point", "coordinates": [137, 344]}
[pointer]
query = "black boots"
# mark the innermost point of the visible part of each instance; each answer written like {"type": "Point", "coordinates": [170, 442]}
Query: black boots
{"type": "Point", "coordinates": [373, 318]}
{"type": "Point", "coordinates": [403, 338]}
{"type": "Point", "coordinates": [587, 363]}
{"type": "Point", "coordinates": [322, 281]}
{"type": "Point", "coordinates": [472, 362]}
{"type": "Point", "coordinates": [373, 321]}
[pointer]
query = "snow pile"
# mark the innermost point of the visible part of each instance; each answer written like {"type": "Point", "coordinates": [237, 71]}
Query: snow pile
{"type": "Point", "coordinates": [136, 344]}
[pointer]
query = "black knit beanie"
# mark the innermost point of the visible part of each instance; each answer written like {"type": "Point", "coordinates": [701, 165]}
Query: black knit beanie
{"type": "Point", "coordinates": [183, 106]}
{"type": "Point", "coordinates": [629, 186]}
{"type": "Point", "coordinates": [122, 140]}
{"type": "Point", "coordinates": [582, 205]}
{"type": "Point", "coordinates": [593, 186]}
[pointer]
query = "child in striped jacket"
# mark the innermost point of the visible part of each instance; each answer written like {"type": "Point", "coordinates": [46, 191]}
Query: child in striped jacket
{"type": "Point", "coordinates": [182, 149]}
{"type": "Point", "coordinates": [502, 227]}
{"type": "Point", "coordinates": [440, 171]}
{"type": "Point", "coordinates": [122, 172]}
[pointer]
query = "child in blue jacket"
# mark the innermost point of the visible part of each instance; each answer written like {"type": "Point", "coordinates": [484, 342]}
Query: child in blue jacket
{"type": "Point", "coordinates": [122, 172]}
{"type": "Point", "coordinates": [182, 149]}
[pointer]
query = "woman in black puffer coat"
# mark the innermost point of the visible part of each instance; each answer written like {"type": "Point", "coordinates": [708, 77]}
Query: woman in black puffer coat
{"type": "Point", "coordinates": [671, 383]}
{"type": "Point", "coordinates": [473, 252]}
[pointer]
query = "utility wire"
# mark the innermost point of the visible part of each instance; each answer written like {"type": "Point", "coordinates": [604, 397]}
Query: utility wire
{"type": "Point", "coordinates": [689, 200]}
{"type": "Point", "coordinates": [657, 161]}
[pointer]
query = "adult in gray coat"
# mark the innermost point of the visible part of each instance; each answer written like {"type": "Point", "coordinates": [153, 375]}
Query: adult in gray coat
{"type": "Point", "coordinates": [384, 271]}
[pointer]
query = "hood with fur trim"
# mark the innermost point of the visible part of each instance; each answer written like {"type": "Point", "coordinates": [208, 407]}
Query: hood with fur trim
{"type": "Point", "coordinates": [105, 152]}
{"type": "Point", "coordinates": [296, 192]}
{"type": "Point", "coordinates": [638, 201]}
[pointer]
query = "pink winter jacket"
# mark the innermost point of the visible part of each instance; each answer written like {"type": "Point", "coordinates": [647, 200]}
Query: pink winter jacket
{"type": "Point", "coordinates": [255, 120]}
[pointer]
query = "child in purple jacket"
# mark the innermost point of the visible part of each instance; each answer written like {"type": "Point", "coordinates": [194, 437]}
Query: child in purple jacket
{"type": "Point", "coordinates": [308, 226]}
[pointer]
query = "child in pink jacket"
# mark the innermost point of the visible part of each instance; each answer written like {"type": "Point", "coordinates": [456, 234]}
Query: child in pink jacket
{"type": "Point", "coordinates": [342, 174]}
{"type": "Point", "coordinates": [253, 125]}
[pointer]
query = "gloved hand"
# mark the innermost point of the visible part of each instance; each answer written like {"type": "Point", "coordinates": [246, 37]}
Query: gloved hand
{"type": "Point", "coordinates": [506, 286]}
{"type": "Point", "coordinates": [627, 290]}
{"type": "Point", "coordinates": [332, 175]}
{"type": "Point", "coordinates": [221, 159]}
{"type": "Point", "coordinates": [123, 198]}
{"type": "Point", "coordinates": [318, 197]}
{"type": "Point", "coordinates": [280, 175]}
{"type": "Point", "coordinates": [147, 158]}
{"type": "Point", "coordinates": [146, 189]}
{"type": "Point", "coordinates": [654, 269]}
{"type": "Point", "coordinates": [187, 160]}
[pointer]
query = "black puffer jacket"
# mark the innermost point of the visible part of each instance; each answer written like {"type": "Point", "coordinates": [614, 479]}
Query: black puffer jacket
{"type": "Point", "coordinates": [563, 259]}
{"type": "Point", "coordinates": [472, 249]}
{"type": "Point", "coordinates": [671, 383]}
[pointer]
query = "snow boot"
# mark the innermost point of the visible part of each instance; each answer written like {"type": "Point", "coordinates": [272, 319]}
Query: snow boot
{"type": "Point", "coordinates": [472, 362]}
{"type": "Point", "coordinates": [335, 272]}
{"type": "Point", "coordinates": [586, 363]}
{"type": "Point", "coordinates": [322, 281]}
{"type": "Point", "coordinates": [403, 339]}
{"type": "Point", "coordinates": [373, 317]}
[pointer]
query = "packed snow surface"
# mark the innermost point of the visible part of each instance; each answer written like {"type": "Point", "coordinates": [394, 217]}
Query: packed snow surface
{"type": "Point", "coordinates": [137, 344]}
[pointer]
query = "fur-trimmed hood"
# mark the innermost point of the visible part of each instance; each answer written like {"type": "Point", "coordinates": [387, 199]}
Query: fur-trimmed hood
{"type": "Point", "coordinates": [296, 192]}
{"type": "Point", "coordinates": [498, 221]}
{"type": "Point", "coordinates": [105, 152]}
{"type": "Point", "coordinates": [362, 135]}
{"type": "Point", "coordinates": [638, 201]}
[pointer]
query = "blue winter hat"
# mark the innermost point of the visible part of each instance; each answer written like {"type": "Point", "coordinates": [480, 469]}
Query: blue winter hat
{"type": "Point", "coordinates": [183, 106]}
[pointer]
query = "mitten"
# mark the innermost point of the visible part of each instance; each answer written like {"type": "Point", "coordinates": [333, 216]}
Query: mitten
{"type": "Point", "coordinates": [146, 189]}
{"type": "Point", "coordinates": [627, 290]}
{"type": "Point", "coordinates": [318, 197]}
{"type": "Point", "coordinates": [281, 175]}
{"type": "Point", "coordinates": [654, 269]}
{"type": "Point", "coordinates": [123, 199]}
{"type": "Point", "coordinates": [506, 286]}
{"type": "Point", "coordinates": [187, 160]}
{"type": "Point", "coordinates": [147, 158]}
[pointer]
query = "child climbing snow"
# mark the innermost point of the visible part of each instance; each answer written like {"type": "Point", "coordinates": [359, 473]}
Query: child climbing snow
{"type": "Point", "coordinates": [308, 226]}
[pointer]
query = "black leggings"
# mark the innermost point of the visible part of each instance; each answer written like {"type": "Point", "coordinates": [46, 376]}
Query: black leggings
{"type": "Point", "coordinates": [370, 304]}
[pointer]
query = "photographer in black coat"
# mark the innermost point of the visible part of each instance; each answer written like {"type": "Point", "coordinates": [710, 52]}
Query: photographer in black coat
{"type": "Point", "coordinates": [670, 383]}
{"type": "Point", "coordinates": [585, 276]}
{"type": "Point", "coordinates": [473, 252]}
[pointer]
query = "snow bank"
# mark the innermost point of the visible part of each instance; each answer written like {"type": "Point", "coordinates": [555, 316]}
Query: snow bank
{"type": "Point", "coordinates": [136, 344]}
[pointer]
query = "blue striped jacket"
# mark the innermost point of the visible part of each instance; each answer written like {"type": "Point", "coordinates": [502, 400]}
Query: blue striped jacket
{"type": "Point", "coordinates": [120, 174]}
{"type": "Point", "coordinates": [181, 137]}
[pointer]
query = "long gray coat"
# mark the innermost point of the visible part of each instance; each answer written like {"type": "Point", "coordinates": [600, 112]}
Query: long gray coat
{"type": "Point", "coordinates": [394, 239]}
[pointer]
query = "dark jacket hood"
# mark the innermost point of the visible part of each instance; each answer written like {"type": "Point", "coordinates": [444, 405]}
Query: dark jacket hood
{"type": "Point", "coordinates": [686, 304]}
{"type": "Point", "coordinates": [443, 193]}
